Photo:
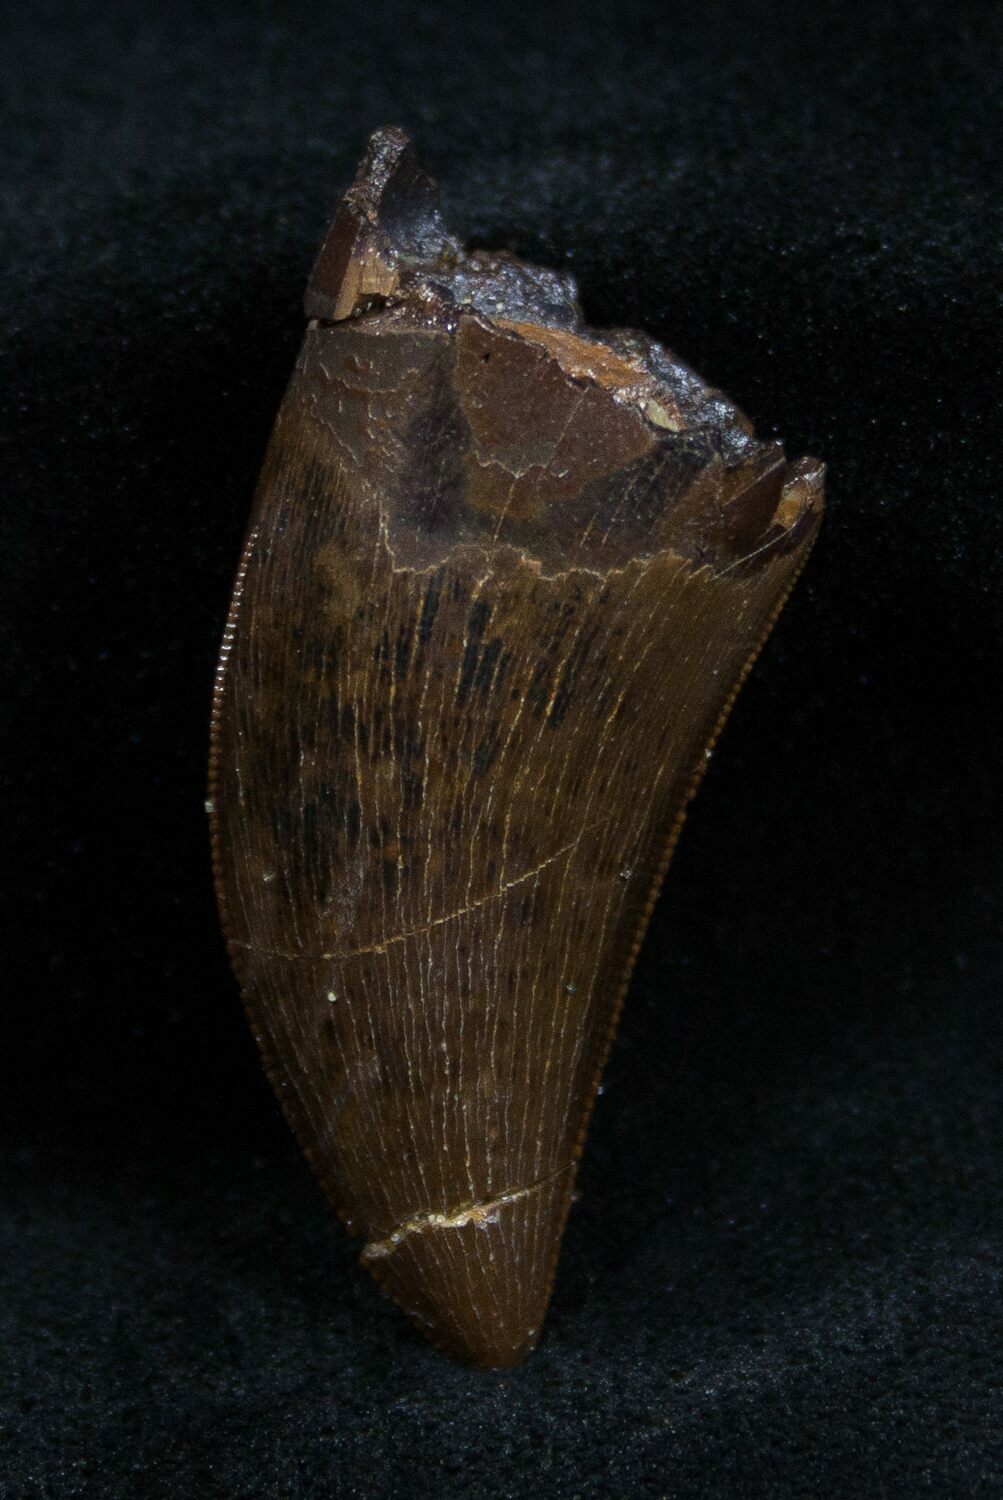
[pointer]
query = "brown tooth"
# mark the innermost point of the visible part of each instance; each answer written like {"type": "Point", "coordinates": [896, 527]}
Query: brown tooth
{"type": "Point", "coordinates": [500, 588]}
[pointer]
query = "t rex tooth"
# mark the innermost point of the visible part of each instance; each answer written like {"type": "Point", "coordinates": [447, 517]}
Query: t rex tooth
{"type": "Point", "coordinates": [503, 578]}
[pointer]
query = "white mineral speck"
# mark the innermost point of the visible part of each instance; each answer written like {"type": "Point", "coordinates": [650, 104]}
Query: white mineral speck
{"type": "Point", "coordinates": [657, 414]}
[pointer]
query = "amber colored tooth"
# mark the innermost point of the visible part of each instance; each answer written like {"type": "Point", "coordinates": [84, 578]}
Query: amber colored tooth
{"type": "Point", "coordinates": [504, 577]}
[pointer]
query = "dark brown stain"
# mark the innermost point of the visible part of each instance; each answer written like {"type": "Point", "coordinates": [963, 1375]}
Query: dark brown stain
{"type": "Point", "coordinates": [503, 580]}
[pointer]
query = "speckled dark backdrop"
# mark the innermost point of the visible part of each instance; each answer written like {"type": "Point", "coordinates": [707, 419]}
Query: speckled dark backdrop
{"type": "Point", "coordinates": [783, 1274]}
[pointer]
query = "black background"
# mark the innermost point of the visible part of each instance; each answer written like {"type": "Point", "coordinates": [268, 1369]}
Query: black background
{"type": "Point", "coordinates": [783, 1273]}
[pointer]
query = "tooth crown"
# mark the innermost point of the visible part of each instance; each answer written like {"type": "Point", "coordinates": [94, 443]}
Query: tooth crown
{"type": "Point", "coordinates": [503, 579]}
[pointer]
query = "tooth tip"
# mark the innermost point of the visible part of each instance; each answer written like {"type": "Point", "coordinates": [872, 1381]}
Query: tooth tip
{"type": "Point", "coordinates": [479, 1288]}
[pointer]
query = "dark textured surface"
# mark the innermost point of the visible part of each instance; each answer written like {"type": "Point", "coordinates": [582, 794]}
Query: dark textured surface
{"type": "Point", "coordinates": [783, 1273]}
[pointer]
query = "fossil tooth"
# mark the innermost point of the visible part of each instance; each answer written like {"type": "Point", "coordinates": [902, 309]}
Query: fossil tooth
{"type": "Point", "coordinates": [503, 579]}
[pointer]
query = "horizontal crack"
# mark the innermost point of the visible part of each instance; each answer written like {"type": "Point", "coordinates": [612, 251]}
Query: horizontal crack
{"type": "Point", "coordinates": [400, 937]}
{"type": "Point", "coordinates": [474, 1213]}
{"type": "Point", "coordinates": [452, 916]}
